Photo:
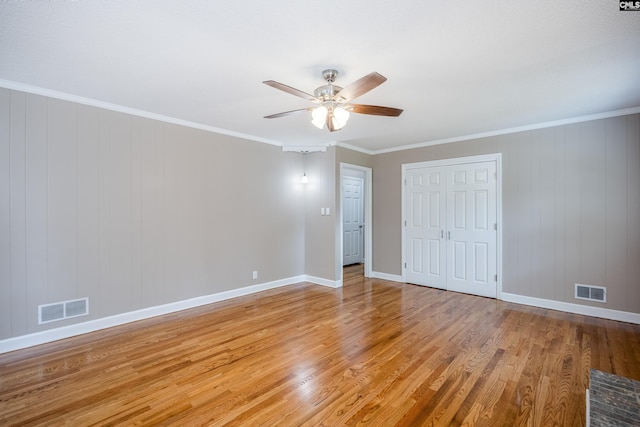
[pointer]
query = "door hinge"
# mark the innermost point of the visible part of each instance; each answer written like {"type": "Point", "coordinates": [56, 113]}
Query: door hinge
{"type": "Point", "coordinates": [495, 226]}
{"type": "Point", "coordinates": [405, 222]}
{"type": "Point", "coordinates": [495, 278]}
{"type": "Point", "coordinates": [495, 175]}
{"type": "Point", "coordinates": [405, 265]}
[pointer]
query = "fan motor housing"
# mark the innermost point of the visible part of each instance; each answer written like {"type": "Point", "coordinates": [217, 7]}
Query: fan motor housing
{"type": "Point", "coordinates": [326, 92]}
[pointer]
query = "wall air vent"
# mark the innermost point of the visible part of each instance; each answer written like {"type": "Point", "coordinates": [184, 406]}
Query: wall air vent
{"type": "Point", "coordinates": [591, 293]}
{"type": "Point", "coordinates": [63, 310]}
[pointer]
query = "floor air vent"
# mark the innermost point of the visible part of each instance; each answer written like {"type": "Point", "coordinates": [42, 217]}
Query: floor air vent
{"type": "Point", "coordinates": [63, 310]}
{"type": "Point", "coordinates": [591, 293]}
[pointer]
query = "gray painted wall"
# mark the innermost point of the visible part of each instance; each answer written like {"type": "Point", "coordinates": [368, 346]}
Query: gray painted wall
{"type": "Point", "coordinates": [135, 213]}
{"type": "Point", "coordinates": [571, 208]}
{"type": "Point", "coordinates": [344, 155]}
{"type": "Point", "coordinates": [320, 229]}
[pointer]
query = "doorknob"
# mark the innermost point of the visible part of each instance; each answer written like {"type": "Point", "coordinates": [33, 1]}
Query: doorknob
{"type": "Point", "coordinates": [360, 226]}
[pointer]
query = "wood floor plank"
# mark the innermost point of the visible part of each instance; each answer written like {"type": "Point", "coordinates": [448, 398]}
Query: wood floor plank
{"type": "Point", "coordinates": [373, 353]}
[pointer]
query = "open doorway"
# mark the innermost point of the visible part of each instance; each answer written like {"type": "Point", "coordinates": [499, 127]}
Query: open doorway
{"type": "Point", "coordinates": [355, 218]}
{"type": "Point", "coordinates": [352, 218]}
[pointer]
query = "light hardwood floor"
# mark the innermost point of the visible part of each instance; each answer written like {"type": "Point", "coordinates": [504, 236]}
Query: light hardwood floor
{"type": "Point", "coordinates": [374, 352]}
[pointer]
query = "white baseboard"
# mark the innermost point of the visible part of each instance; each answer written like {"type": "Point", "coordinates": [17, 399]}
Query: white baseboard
{"type": "Point", "coordinates": [588, 409]}
{"type": "Point", "coordinates": [385, 276]}
{"type": "Point", "coordinates": [604, 313]}
{"type": "Point", "coordinates": [323, 282]}
{"type": "Point", "coordinates": [24, 341]}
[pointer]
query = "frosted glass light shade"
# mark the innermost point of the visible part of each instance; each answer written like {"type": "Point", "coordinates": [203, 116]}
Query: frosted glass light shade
{"type": "Point", "coordinates": [319, 116]}
{"type": "Point", "coordinates": [341, 117]}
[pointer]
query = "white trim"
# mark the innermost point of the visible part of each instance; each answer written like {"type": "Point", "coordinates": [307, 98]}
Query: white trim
{"type": "Point", "coordinates": [324, 282]}
{"type": "Point", "coordinates": [368, 220]}
{"type": "Point", "coordinates": [386, 276]}
{"type": "Point", "coordinates": [453, 161]}
{"type": "Point", "coordinates": [543, 125]}
{"type": "Point", "coordinates": [604, 313]}
{"type": "Point", "coordinates": [588, 408]}
{"type": "Point", "coordinates": [493, 157]}
{"type": "Point", "coordinates": [305, 148]}
{"type": "Point", "coordinates": [24, 341]}
{"type": "Point", "coordinates": [354, 148]}
{"type": "Point", "coordinates": [127, 110]}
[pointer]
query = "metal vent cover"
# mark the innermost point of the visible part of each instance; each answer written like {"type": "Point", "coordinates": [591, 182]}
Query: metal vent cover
{"type": "Point", "coordinates": [591, 293]}
{"type": "Point", "coordinates": [63, 310]}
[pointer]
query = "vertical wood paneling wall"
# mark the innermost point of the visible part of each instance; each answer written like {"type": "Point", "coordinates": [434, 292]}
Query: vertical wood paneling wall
{"type": "Point", "coordinates": [571, 208]}
{"type": "Point", "coordinates": [320, 229]}
{"type": "Point", "coordinates": [135, 213]}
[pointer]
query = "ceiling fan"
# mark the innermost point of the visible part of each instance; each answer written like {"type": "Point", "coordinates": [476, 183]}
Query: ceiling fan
{"type": "Point", "coordinates": [333, 102]}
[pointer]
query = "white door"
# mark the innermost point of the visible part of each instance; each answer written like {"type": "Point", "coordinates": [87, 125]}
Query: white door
{"type": "Point", "coordinates": [352, 218]}
{"type": "Point", "coordinates": [471, 229]}
{"type": "Point", "coordinates": [450, 229]}
{"type": "Point", "coordinates": [426, 210]}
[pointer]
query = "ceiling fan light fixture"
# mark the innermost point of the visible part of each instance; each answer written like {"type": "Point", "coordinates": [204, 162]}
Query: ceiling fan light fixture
{"type": "Point", "coordinates": [334, 102]}
{"type": "Point", "coordinates": [340, 117]}
{"type": "Point", "coordinates": [319, 116]}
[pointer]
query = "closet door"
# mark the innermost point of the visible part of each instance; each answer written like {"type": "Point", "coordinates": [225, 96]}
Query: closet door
{"type": "Point", "coordinates": [471, 229]}
{"type": "Point", "coordinates": [425, 195]}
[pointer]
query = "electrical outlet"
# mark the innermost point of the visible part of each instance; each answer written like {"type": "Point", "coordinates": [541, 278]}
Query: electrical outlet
{"type": "Point", "coordinates": [255, 274]}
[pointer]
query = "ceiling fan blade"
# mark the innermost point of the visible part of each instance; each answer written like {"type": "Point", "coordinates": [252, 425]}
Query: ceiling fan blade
{"type": "Point", "coordinates": [374, 110]}
{"type": "Point", "coordinates": [360, 87]}
{"type": "Point", "coordinates": [288, 113]}
{"type": "Point", "coordinates": [291, 90]}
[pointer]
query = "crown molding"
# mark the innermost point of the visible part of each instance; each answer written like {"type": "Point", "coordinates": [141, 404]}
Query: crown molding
{"type": "Point", "coordinates": [542, 125]}
{"type": "Point", "coordinates": [132, 111]}
{"type": "Point", "coordinates": [354, 148]}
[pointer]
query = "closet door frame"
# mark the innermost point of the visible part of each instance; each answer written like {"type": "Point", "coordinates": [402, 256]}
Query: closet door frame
{"type": "Point", "coordinates": [495, 157]}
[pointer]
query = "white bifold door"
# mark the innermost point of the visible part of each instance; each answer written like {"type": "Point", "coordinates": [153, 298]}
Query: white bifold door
{"type": "Point", "coordinates": [451, 227]}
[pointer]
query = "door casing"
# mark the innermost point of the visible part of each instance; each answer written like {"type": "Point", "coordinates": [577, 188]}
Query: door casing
{"type": "Point", "coordinates": [368, 247]}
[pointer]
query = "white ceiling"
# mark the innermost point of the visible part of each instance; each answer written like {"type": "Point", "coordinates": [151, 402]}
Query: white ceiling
{"type": "Point", "coordinates": [456, 68]}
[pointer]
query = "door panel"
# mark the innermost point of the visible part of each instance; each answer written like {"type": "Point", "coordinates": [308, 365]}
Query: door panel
{"type": "Point", "coordinates": [459, 259]}
{"type": "Point", "coordinates": [459, 213]}
{"type": "Point", "coordinates": [434, 257]}
{"type": "Point", "coordinates": [481, 258]}
{"type": "Point", "coordinates": [424, 231]}
{"type": "Point", "coordinates": [474, 211]}
{"type": "Point", "coordinates": [481, 206]}
{"type": "Point", "coordinates": [417, 256]}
